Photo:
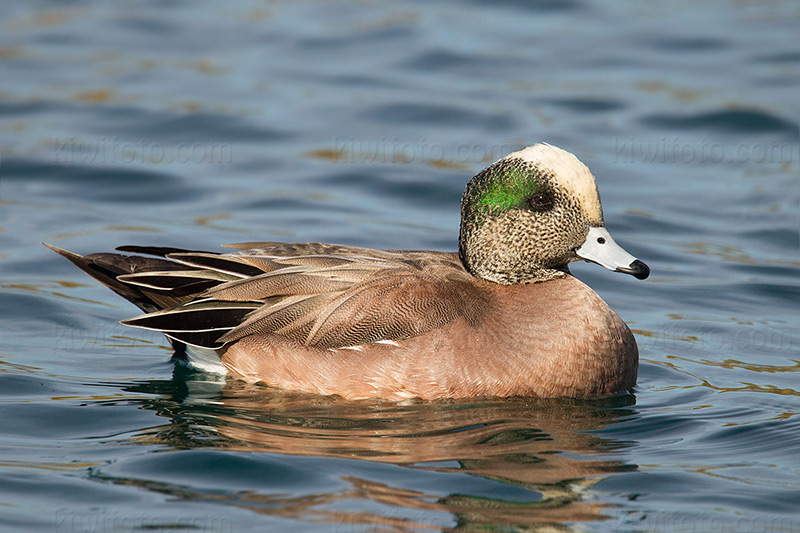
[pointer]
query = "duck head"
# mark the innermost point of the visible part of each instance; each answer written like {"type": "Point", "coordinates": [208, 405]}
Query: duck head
{"type": "Point", "coordinates": [528, 215]}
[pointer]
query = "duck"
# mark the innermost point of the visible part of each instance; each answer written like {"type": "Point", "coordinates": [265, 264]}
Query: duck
{"type": "Point", "coordinates": [503, 316]}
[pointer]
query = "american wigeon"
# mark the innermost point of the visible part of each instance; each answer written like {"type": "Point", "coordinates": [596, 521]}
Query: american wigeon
{"type": "Point", "coordinates": [501, 317]}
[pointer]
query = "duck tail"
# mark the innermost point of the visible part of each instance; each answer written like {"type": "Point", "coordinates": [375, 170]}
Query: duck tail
{"type": "Point", "coordinates": [107, 268]}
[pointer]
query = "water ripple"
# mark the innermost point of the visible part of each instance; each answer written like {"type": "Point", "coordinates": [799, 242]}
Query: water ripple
{"type": "Point", "coordinates": [730, 121]}
{"type": "Point", "coordinates": [444, 115]}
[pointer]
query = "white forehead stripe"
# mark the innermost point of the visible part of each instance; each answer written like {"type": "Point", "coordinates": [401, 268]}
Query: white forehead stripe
{"type": "Point", "coordinates": [569, 173]}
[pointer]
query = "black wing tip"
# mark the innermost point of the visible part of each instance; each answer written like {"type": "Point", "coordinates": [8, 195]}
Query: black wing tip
{"type": "Point", "coordinates": [60, 251]}
{"type": "Point", "coordinates": [158, 251]}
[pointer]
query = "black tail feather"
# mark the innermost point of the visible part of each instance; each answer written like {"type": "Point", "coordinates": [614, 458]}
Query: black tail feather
{"type": "Point", "coordinates": [158, 251]}
{"type": "Point", "coordinates": [163, 294]}
{"type": "Point", "coordinates": [106, 267]}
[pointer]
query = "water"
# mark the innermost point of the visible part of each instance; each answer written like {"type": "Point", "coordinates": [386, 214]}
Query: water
{"type": "Point", "coordinates": [193, 124]}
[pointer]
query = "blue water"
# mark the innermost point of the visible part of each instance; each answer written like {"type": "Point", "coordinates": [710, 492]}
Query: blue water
{"type": "Point", "coordinates": [194, 124]}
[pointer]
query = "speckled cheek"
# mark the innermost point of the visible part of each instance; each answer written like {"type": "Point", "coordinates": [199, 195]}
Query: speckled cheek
{"type": "Point", "coordinates": [573, 223]}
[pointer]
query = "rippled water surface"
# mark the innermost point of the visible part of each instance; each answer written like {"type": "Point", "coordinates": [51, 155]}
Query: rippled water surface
{"type": "Point", "coordinates": [194, 124]}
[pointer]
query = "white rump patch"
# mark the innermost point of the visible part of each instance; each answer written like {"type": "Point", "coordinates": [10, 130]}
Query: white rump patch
{"type": "Point", "coordinates": [205, 360]}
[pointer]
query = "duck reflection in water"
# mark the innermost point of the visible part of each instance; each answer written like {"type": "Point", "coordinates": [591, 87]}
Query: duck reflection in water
{"type": "Point", "coordinates": [538, 451]}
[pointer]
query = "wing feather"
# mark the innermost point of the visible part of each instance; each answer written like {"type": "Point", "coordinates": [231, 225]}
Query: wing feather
{"type": "Point", "coordinates": [226, 263]}
{"type": "Point", "coordinates": [294, 280]}
{"type": "Point", "coordinates": [396, 306]}
{"type": "Point", "coordinates": [316, 294]}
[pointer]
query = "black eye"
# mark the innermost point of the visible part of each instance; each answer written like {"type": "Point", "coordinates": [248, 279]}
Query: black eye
{"type": "Point", "coordinates": [541, 201]}
{"type": "Point", "coordinates": [601, 240]}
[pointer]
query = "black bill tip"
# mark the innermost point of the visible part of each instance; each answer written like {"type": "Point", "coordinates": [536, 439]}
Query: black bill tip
{"type": "Point", "coordinates": [638, 269]}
